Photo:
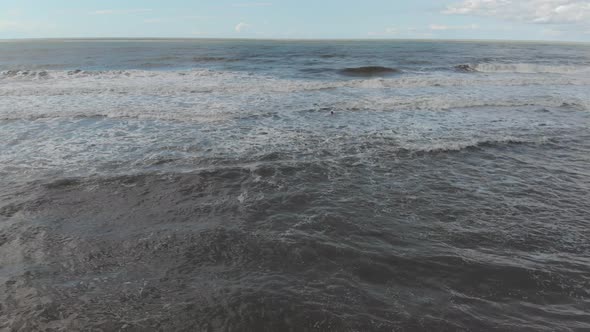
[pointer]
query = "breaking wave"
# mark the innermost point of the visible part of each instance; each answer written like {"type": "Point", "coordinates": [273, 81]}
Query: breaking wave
{"type": "Point", "coordinates": [420, 199]}
{"type": "Point", "coordinates": [246, 80]}
{"type": "Point", "coordinates": [204, 95]}
{"type": "Point", "coordinates": [456, 146]}
{"type": "Point", "coordinates": [520, 68]}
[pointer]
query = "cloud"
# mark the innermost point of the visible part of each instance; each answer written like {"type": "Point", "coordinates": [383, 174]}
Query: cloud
{"type": "Point", "coordinates": [552, 33]}
{"type": "Point", "coordinates": [12, 21]}
{"type": "Point", "coordinates": [155, 20]}
{"type": "Point", "coordinates": [421, 32]}
{"type": "Point", "coordinates": [22, 26]}
{"type": "Point", "coordinates": [529, 11]}
{"type": "Point", "coordinates": [119, 11]}
{"type": "Point", "coordinates": [402, 33]}
{"type": "Point", "coordinates": [198, 17]}
{"type": "Point", "coordinates": [438, 27]}
{"type": "Point", "coordinates": [9, 25]}
{"type": "Point", "coordinates": [242, 27]}
{"type": "Point", "coordinates": [252, 4]}
{"type": "Point", "coordinates": [158, 20]}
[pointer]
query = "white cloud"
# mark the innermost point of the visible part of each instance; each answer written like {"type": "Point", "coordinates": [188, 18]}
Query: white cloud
{"type": "Point", "coordinates": [197, 17]}
{"type": "Point", "coordinates": [22, 26]}
{"type": "Point", "coordinates": [393, 31]}
{"type": "Point", "coordinates": [439, 27]}
{"type": "Point", "coordinates": [552, 33]}
{"type": "Point", "coordinates": [530, 11]}
{"type": "Point", "coordinates": [9, 25]}
{"type": "Point", "coordinates": [119, 11]}
{"type": "Point", "coordinates": [252, 4]}
{"type": "Point", "coordinates": [12, 21]}
{"type": "Point", "coordinates": [242, 27]}
{"type": "Point", "coordinates": [402, 33]}
{"type": "Point", "coordinates": [155, 20]}
{"type": "Point", "coordinates": [421, 32]}
{"type": "Point", "coordinates": [17, 27]}
{"type": "Point", "coordinates": [388, 31]}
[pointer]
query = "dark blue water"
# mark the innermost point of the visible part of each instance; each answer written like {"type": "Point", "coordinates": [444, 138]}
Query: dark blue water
{"type": "Point", "coordinates": [282, 58]}
{"type": "Point", "coordinates": [218, 185]}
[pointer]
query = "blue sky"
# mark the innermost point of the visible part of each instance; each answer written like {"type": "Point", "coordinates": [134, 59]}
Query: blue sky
{"type": "Point", "coordinates": [562, 20]}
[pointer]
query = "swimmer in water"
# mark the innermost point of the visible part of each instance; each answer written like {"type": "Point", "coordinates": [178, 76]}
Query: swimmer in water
{"type": "Point", "coordinates": [331, 112]}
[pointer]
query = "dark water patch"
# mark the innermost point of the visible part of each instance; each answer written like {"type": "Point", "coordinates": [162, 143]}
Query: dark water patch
{"type": "Point", "coordinates": [162, 161]}
{"type": "Point", "coordinates": [273, 156]}
{"type": "Point", "coordinates": [465, 68]}
{"type": "Point", "coordinates": [64, 183]}
{"type": "Point", "coordinates": [164, 58]}
{"type": "Point", "coordinates": [369, 71]}
{"type": "Point", "coordinates": [265, 171]}
{"type": "Point", "coordinates": [329, 245]}
{"type": "Point", "coordinates": [10, 210]}
{"type": "Point", "coordinates": [575, 106]}
{"type": "Point", "coordinates": [214, 59]}
{"type": "Point", "coordinates": [330, 56]}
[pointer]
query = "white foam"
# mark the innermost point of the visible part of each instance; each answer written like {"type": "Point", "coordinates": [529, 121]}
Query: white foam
{"type": "Point", "coordinates": [78, 147]}
{"type": "Point", "coordinates": [449, 146]}
{"type": "Point", "coordinates": [529, 68]}
{"type": "Point", "coordinates": [205, 95]}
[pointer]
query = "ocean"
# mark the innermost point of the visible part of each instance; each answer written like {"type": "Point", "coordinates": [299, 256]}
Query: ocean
{"type": "Point", "coordinates": [234, 185]}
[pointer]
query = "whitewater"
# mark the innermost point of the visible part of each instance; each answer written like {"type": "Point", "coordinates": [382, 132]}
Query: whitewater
{"type": "Point", "coordinates": [220, 185]}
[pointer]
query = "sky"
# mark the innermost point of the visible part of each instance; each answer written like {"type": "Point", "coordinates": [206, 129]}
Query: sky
{"type": "Point", "coordinates": [558, 20]}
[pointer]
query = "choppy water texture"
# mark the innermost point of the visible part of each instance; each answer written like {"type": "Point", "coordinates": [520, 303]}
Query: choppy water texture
{"type": "Point", "coordinates": [205, 185]}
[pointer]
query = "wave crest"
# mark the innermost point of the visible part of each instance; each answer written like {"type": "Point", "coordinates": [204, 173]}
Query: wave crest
{"type": "Point", "coordinates": [473, 144]}
{"type": "Point", "coordinates": [29, 74]}
{"type": "Point", "coordinates": [520, 68]}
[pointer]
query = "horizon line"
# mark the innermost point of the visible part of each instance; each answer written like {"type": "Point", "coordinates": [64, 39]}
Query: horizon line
{"type": "Point", "coordinates": [287, 39]}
